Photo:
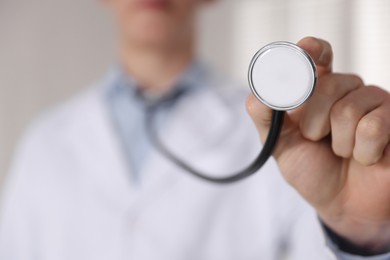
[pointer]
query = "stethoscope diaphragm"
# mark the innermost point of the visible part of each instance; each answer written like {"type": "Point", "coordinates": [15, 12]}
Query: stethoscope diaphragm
{"type": "Point", "coordinates": [282, 76]}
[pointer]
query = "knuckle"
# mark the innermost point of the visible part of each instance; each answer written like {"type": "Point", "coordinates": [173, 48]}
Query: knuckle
{"type": "Point", "coordinates": [345, 111]}
{"type": "Point", "coordinates": [334, 84]}
{"type": "Point", "coordinates": [372, 127]}
{"type": "Point", "coordinates": [328, 86]}
{"type": "Point", "coordinates": [379, 92]}
{"type": "Point", "coordinates": [358, 81]}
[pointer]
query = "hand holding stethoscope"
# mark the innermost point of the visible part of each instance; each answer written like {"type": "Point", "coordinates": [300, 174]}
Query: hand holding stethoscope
{"type": "Point", "coordinates": [334, 150]}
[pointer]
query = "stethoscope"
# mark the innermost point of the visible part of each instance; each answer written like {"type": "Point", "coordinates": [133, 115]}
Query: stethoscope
{"type": "Point", "coordinates": [282, 76]}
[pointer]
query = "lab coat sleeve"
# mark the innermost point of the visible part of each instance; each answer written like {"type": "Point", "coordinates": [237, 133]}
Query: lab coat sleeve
{"type": "Point", "coordinates": [339, 254]}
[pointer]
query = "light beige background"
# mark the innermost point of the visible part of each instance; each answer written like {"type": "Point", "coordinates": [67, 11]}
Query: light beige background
{"type": "Point", "coordinates": [50, 49]}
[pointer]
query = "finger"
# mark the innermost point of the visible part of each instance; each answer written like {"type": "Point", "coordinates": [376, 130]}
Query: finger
{"type": "Point", "coordinates": [315, 120]}
{"type": "Point", "coordinates": [261, 115]}
{"type": "Point", "coordinates": [321, 53]}
{"type": "Point", "coordinates": [372, 136]}
{"type": "Point", "coordinates": [346, 115]}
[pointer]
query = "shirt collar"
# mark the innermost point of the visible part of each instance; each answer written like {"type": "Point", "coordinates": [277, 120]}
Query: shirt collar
{"type": "Point", "coordinates": [119, 82]}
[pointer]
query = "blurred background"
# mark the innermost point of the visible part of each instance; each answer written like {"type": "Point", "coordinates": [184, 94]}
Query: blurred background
{"type": "Point", "coordinates": [50, 49]}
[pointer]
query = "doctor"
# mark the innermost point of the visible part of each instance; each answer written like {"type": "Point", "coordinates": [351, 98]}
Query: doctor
{"type": "Point", "coordinates": [87, 184]}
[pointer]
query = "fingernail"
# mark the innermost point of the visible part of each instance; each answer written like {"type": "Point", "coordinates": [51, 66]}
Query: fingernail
{"type": "Point", "coordinates": [321, 59]}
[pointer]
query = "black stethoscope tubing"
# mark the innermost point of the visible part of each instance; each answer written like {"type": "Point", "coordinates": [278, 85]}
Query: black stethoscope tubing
{"type": "Point", "coordinates": [273, 134]}
{"type": "Point", "coordinates": [261, 159]}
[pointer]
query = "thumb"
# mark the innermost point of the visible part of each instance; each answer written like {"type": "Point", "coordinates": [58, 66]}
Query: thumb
{"type": "Point", "coordinates": [262, 117]}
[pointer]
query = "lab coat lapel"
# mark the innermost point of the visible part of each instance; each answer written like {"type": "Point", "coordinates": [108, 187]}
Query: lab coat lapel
{"type": "Point", "coordinates": [104, 167]}
{"type": "Point", "coordinates": [108, 170]}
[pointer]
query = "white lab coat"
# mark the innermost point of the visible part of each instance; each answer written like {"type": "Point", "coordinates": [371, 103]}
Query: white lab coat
{"type": "Point", "coordinates": [70, 194]}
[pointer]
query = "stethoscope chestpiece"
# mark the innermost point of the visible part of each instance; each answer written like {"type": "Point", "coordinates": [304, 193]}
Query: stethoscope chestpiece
{"type": "Point", "coordinates": [282, 76]}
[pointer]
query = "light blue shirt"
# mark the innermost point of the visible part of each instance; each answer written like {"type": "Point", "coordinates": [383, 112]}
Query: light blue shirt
{"type": "Point", "coordinates": [128, 107]}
